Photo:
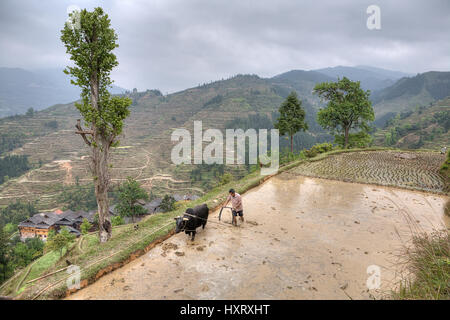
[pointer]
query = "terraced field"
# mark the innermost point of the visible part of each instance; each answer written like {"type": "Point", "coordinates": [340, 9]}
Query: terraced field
{"type": "Point", "coordinates": [411, 170]}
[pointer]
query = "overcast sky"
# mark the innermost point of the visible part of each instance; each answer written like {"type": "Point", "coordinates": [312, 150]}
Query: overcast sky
{"type": "Point", "coordinates": [176, 44]}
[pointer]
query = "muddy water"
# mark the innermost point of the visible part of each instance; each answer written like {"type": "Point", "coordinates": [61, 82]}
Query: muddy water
{"type": "Point", "coordinates": [303, 238]}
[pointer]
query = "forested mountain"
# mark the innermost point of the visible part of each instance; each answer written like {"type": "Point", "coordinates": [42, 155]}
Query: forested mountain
{"type": "Point", "coordinates": [22, 89]}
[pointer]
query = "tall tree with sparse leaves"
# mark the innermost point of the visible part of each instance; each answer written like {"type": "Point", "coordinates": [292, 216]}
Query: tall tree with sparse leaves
{"type": "Point", "coordinates": [90, 40]}
{"type": "Point", "coordinates": [348, 108]}
{"type": "Point", "coordinates": [292, 117]}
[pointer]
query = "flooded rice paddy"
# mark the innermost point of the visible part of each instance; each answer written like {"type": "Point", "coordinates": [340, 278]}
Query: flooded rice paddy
{"type": "Point", "coordinates": [303, 238]}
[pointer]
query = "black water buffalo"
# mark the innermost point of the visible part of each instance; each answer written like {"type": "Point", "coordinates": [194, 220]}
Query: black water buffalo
{"type": "Point", "coordinates": [188, 224]}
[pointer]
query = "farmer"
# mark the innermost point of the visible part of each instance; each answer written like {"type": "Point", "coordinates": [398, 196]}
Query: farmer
{"type": "Point", "coordinates": [236, 204]}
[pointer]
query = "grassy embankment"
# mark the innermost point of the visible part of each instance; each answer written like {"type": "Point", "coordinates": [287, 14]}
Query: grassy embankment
{"type": "Point", "coordinates": [427, 260]}
{"type": "Point", "coordinates": [125, 245]}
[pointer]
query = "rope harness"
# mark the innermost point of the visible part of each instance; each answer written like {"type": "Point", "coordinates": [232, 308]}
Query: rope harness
{"type": "Point", "coordinates": [193, 216]}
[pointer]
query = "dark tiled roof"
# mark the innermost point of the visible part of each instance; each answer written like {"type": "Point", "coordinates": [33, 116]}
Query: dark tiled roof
{"type": "Point", "coordinates": [47, 219]}
{"type": "Point", "coordinates": [153, 206]}
{"type": "Point", "coordinates": [27, 223]}
{"type": "Point", "coordinates": [178, 197]}
{"type": "Point", "coordinates": [73, 230]}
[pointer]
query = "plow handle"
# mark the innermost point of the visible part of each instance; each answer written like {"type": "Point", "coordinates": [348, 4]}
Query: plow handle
{"type": "Point", "coordinates": [220, 213]}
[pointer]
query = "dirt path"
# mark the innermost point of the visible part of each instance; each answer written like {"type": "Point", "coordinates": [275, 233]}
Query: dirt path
{"type": "Point", "coordinates": [304, 238]}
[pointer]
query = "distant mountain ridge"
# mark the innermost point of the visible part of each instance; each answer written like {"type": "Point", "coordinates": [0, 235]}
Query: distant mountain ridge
{"type": "Point", "coordinates": [22, 89]}
{"type": "Point", "coordinates": [371, 78]}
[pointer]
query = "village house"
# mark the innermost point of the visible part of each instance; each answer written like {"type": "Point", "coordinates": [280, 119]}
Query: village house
{"type": "Point", "coordinates": [40, 224]}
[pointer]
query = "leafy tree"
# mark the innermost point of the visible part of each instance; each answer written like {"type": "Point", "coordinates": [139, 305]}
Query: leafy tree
{"type": "Point", "coordinates": [129, 193]}
{"type": "Point", "coordinates": [167, 203]}
{"type": "Point", "coordinates": [85, 226]}
{"type": "Point", "coordinates": [30, 112]}
{"type": "Point", "coordinates": [21, 255]}
{"type": "Point", "coordinates": [59, 241]}
{"type": "Point", "coordinates": [348, 108]}
{"type": "Point", "coordinates": [90, 40]}
{"type": "Point", "coordinates": [9, 228]}
{"type": "Point", "coordinates": [16, 212]}
{"type": "Point", "coordinates": [292, 118]}
{"type": "Point", "coordinates": [36, 246]}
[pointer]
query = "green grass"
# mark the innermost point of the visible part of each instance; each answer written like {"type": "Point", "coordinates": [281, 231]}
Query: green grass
{"type": "Point", "coordinates": [428, 261]}
{"type": "Point", "coordinates": [43, 263]}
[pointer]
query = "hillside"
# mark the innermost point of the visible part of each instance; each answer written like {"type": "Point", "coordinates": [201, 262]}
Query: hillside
{"type": "Point", "coordinates": [22, 89]}
{"type": "Point", "coordinates": [409, 93]}
{"type": "Point", "coordinates": [424, 127]}
{"type": "Point", "coordinates": [60, 158]}
{"type": "Point", "coordinates": [144, 153]}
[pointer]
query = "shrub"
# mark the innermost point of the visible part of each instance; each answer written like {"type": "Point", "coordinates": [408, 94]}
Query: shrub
{"type": "Point", "coordinates": [226, 178]}
{"type": "Point", "coordinates": [317, 149]}
{"type": "Point", "coordinates": [85, 226]}
{"type": "Point", "coordinates": [428, 260]}
{"type": "Point", "coordinates": [117, 221]}
{"type": "Point", "coordinates": [311, 153]}
{"type": "Point", "coordinates": [167, 203]}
